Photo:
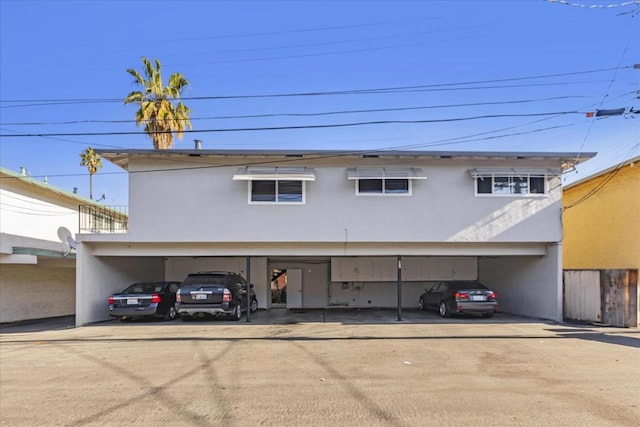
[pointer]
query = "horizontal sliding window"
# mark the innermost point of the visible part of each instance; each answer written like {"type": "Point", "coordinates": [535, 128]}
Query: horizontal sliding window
{"type": "Point", "coordinates": [276, 191]}
{"type": "Point", "coordinates": [285, 185]}
{"type": "Point", "coordinates": [383, 186]}
{"type": "Point", "coordinates": [512, 181]}
{"type": "Point", "coordinates": [384, 181]}
{"type": "Point", "coordinates": [510, 185]}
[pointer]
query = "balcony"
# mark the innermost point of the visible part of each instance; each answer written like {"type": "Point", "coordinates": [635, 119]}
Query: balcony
{"type": "Point", "coordinates": [103, 219]}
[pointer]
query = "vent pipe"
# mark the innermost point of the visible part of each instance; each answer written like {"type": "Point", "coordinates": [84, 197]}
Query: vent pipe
{"type": "Point", "coordinates": [75, 190]}
{"type": "Point", "coordinates": [23, 171]}
{"type": "Point", "coordinates": [198, 144]}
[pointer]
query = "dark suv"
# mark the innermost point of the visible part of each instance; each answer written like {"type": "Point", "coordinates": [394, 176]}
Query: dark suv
{"type": "Point", "coordinates": [217, 293]}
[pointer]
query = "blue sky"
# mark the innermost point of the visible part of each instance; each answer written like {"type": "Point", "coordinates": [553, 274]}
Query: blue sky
{"type": "Point", "coordinates": [546, 62]}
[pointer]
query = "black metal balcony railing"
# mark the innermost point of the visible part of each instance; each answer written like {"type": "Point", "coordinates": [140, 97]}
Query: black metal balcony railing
{"type": "Point", "coordinates": [103, 219]}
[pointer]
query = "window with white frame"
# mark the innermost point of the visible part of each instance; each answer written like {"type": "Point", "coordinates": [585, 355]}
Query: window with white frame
{"type": "Point", "coordinates": [384, 181]}
{"type": "Point", "coordinates": [279, 185]}
{"type": "Point", "coordinates": [512, 182]}
{"type": "Point", "coordinates": [276, 191]}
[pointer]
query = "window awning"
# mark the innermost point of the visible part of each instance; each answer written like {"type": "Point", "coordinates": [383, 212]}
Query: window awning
{"type": "Point", "coordinates": [277, 173]}
{"type": "Point", "coordinates": [385, 173]}
{"type": "Point", "coordinates": [483, 172]}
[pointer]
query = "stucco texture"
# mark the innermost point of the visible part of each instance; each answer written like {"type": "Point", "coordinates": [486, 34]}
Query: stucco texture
{"type": "Point", "coordinates": [602, 221]}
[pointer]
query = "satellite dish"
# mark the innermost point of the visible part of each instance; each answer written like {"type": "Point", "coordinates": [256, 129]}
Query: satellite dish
{"type": "Point", "coordinates": [72, 243]}
{"type": "Point", "coordinates": [66, 237]}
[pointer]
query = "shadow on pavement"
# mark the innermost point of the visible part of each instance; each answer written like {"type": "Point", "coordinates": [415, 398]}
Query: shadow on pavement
{"type": "Point", "coordinates": [38, 325]}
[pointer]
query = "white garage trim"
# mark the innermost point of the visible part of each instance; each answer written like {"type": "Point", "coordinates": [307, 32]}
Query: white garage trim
{"type": "Point", "coordinates": [315, 249]}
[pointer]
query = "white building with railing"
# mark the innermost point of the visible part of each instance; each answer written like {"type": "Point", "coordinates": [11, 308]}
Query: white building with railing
{"type": "Point", "coordinates": [38, 226]}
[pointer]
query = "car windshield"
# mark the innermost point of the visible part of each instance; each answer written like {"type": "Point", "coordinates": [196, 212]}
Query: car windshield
{"type": "Point", "coordinates": [204, 279]}
{"type": "Point", "coordinates": [143, 288]}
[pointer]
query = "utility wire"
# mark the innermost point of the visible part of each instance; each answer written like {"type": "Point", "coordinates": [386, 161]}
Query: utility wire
{"type": "Point", "coordinates": [606, 94]}
{"type": "Point", "coordinates": [329, 154]}
{"type": "Point", "coordinates": [594, 6]}
{"type": "Point", "coordinates": [323, 93]}
{"type": "Point", "coordinates": [604, 181]}
{"type": "Point", "coordinates": [35, 211]}
{"type": "Point", "coordinates": [324, 113]}
{"type": "Point", "coordinates": [326, 43]}
{"type": "Point", "coordinates": [271, 128]}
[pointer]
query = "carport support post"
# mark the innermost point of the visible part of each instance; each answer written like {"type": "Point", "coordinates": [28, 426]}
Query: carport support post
{"type": "Point", "coordinates": [248, 268]}
{"type": "Point", "coordinates": [399, 288]}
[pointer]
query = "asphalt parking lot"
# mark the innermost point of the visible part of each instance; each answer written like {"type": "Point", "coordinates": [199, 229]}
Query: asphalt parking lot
{"type": "Point", "coordinates": [318, 368]}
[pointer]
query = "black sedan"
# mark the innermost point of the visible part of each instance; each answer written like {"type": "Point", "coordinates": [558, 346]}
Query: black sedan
{"type": "Point", "coordinates": [145, 299]}
{"type": "Point", "coordinates": [459, 297]}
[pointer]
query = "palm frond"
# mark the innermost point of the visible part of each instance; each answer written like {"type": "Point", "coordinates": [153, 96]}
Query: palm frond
{"type": "Point", "coordinates": [135, 96]}
{"type": "Point", "coordinates": [159, 115]}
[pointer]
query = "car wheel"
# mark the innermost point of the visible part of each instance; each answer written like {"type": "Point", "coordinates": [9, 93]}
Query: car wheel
{"type": "Point", "coordinates": [171, 313]}
{"type": "Point", "coordinates": [421, 304]}
{"type": "Point", "coordinates": [254, 305]}
{"type": "Point", "coordinates": [443, 310]}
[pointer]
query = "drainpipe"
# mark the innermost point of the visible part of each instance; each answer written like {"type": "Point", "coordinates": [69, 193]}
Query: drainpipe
{"type": "Point", "coordinates": [399, 288]}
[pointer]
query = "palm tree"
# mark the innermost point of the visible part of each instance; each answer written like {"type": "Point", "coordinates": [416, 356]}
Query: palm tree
{"type": "Point", "coordinates": [93, 162]}
{"type": "Point", "coordinates": [159, 115]}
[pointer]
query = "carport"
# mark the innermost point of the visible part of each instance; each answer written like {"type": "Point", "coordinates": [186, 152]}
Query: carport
{"type": "Point", "coordinates": [524, 275]}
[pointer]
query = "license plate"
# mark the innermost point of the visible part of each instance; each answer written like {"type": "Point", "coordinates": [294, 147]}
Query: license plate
{"type": "Point", "coordinates": [200, 296]}
{"type": "Point", "coordinates": [478, 298]}
{"type": "Point", "coordinates": [132, 301]}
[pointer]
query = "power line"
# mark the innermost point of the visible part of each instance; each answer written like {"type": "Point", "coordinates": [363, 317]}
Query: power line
{"type": "Point", "coordinates": [324, 113]}
{"type": "Point", "coordinates": [271, 33]}
{"type": "Point", "coordinates": [604, 181]}
{"type": "Point", "coordinates": [325, 43]}
{"type": "Point", "coordinates": [594, 6]}
{"type": "Point", "coordinates": [272, 128]}
{"type": "Point", "coordinates": [606, 94]}
{"type": "Point", "coordinates": [449, 141]}
{"type": "Point", "coordinates": [36, 211]}
{"type": "Point", "coordinates": [66, 140]}
{"type": "Point", "coordinates": [392, 89]}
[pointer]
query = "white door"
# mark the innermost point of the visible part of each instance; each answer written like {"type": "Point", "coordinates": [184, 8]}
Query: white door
{"type": "Point", "coordinates": [294, 288]}
{"type": "Point", "coordinates": [582, 299]}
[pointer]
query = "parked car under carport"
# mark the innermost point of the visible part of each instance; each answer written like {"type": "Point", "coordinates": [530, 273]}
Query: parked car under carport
{"type": "Point", "coordinates": [459, 297]}
{"type": "Point", "coordinates": [145, 299]}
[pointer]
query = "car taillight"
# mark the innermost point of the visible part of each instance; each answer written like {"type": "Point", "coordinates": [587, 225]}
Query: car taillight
{"type": "Point", "coordinates": [492, 295]}
{"type": "Point", "coordinates": [178, 297]}
{"type": "Point", "coordinates": [155, 298]}
{"type": "Point", "coordinates": [226, 295]}
{"type": "Point", "coordinates": [462, 295]}
{"type": "Point", "coordinates": [111, 300]}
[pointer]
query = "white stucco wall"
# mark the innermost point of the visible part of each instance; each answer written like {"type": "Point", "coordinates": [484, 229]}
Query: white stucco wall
{"type": "Point", "coordinates": [38, 217]}
{"type": "Point", "coordinates": [443, 208]}
{"type": "Point", "coordinates": [529, 286]}
{"type": "Point", "coordinates": [99, 277]}
{"type": "Point", "coordinates": [34, 292]}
